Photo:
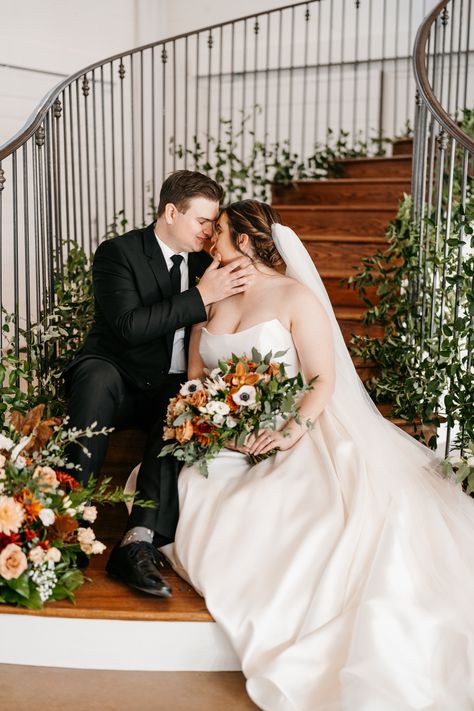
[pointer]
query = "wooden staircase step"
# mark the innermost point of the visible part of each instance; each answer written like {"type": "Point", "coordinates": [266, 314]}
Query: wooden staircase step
{"type": "Point", "coordinates": [402, 146]}
{"type": "Point", "coordinates": [341, 255]}
{"type": "Point", "coordinates": [347, 191]}
{"type": "Point", "coordinates": [395, 166]}
{"type": "Point", "coordinates": [350, 322]}
{"type": "Point", "coordinates": [338, 219]}
{"type": "Point", "coordinates": [340, 294]}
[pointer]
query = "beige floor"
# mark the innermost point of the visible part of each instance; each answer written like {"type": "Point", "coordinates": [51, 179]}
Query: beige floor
{"type": "Point", "coordinates": [24, 688]}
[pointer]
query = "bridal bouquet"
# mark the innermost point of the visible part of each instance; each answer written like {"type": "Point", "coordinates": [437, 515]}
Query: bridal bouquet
{"type": "Point", "coordinates": [45, 515]}
{"type": "Point", "coordinates": [236, 399]}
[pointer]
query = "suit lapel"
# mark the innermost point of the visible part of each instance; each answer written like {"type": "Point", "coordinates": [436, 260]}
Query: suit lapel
{"type": "Point", "coordinates": [157, 261]}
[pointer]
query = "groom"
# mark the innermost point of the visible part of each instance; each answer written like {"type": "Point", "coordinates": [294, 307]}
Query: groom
{"type": "Point", "coordinates": [150, 286]}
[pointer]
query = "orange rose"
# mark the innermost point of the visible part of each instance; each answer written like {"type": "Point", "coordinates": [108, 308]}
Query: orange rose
{"type": "Point", "coordinates": [273, 369]}
{"type": "Point", "coordinates": [197, 399]}
{"type": "Point", "coordinates": [168, 433]}
{"type": "Point", "coordinates": [184, 432]}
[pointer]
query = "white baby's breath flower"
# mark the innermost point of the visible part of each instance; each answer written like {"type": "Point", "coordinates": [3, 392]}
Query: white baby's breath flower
{"type": "Point", "coordinates": [191, 386]}
{"type": "Point", "coordinates": [47, 517]}
{"type": "Point", "coordinates": [245, 396]}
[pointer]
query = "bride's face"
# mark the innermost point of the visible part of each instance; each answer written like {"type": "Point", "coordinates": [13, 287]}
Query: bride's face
{"type": "Point", "coordinates": [222, 243]}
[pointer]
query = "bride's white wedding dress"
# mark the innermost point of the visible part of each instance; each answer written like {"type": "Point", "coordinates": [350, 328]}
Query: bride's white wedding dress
{"type": "Point", "coordinates": [340, 588]}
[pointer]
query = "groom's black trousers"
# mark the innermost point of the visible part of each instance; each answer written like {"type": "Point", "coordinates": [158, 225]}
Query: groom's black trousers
{"type": "Point", "coordinates": [98, 392]}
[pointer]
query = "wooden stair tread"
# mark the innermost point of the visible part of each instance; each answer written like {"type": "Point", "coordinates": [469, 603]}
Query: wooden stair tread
{"type": "Point", "coordinates": [109, 599]}
{"type": "Point", "coordinates": [374, 159]}
{"type": "Point", "coordinates": [343, 237]}
{"type": "Point", "coordinates": [374, 207]}
{"type": "Point", "coordinates": [354, 181]}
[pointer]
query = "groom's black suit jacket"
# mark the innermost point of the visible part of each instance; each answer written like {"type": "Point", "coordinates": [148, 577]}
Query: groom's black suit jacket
{"type": "Point", "coordinates": [136, 314]}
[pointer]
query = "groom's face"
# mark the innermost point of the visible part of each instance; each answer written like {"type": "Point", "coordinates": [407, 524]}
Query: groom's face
{"type": "Point", "coordinates": [192, 228]}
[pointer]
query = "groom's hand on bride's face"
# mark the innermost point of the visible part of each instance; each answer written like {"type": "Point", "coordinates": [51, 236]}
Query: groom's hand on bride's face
{"type": "Point", "coordinates": [218, 283]}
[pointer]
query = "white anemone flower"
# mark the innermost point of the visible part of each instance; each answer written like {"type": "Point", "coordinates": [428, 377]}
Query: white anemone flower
{"type": "Point", "coordinates": [245, 396]}
{"type": "Point", "coordinates": [231, 421]}
{"type": "Point", "coordinates": [191, 386]}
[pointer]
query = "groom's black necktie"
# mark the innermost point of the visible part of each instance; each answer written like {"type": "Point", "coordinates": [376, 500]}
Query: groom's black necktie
{"type": "Point", "coordinates": [175, 278]}
{"type": "Point", "coordinates": [175, 273]}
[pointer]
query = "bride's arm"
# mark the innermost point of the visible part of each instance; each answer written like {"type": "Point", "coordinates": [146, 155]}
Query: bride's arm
{"type": "Point", "coordinates": [195, 362]}
{"type": "Point", "coordinates": [313, 340]}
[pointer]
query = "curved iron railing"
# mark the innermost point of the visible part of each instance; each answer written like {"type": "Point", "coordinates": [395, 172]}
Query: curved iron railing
{"type": "Point", "coordinates": [90, 160]}
{"type": "Point", "coordinates": [442, 186]}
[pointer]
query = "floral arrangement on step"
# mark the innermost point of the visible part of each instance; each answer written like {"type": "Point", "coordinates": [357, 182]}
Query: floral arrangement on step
{"type": "Point", "coordinates": [45, 514]}
{"type": "Point", "coordinates": [234, 400]}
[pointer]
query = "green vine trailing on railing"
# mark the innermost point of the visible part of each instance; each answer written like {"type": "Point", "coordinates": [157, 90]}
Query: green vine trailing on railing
{"type": "Point", "coordinates": [29, 380]}
{"type": "Point", "coordinates": [432, 383]}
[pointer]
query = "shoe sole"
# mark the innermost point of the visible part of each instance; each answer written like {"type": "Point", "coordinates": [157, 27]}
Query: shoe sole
{"type": "Point", "coordinates": [149, 591]}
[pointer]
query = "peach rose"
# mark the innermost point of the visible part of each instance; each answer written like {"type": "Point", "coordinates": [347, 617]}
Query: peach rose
{"type": "Point", "coordinates": [36, 554]}
{"type": "Point", "coordinates": [184, 432]}
{"type": "Point", "coordinates": [13, 562]}
{"type": "Point", "coordinates": [11, 515]}
{"type": "Point", "coordinates": [47, 477]}
{"type": "Point", "coordinates": [89, 514]}
{"type": "Point", "coordinates": [168, 433]}
{"type": "Point", "coordinates": [2, 460]}
{"type": "Point", "coordinates": [53, 554]}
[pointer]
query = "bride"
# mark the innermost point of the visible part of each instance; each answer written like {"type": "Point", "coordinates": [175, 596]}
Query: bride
{"type": "Point", "coordinates": [340, 568]}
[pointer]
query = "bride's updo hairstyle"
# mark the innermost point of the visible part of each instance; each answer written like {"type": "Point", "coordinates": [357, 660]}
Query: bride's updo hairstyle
{"type": "Point", "coordinates": [255, 219]}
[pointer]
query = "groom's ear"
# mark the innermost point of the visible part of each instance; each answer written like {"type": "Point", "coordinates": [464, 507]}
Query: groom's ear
{"type": "Point", "coordinates": [170, 213]}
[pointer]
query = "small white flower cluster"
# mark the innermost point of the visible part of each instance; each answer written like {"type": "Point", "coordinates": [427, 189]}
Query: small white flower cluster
{"type": "Point", "coordinates": [44, 577]}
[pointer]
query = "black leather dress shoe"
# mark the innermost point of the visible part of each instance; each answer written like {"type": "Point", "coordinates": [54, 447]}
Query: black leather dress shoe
{"type": "Point", "coordinates": [137, 565]}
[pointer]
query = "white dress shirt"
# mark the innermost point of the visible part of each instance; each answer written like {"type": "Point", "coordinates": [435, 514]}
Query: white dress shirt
{"type": "Point", "coordinates": [178, 354]}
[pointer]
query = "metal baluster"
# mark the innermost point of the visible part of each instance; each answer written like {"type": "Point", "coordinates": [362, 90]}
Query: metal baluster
{"type": "Point", "coordinates": [468, 38]}
{"type": "Point", "coordinates": [219, 94]}
{"type": "Point", "coordinates": [104, 151]}
{"type": "Point", "coordinates": [382, 76]}
{"type": "Point", "coordinates": [356, 67]}
{"type": "Point", "coordinates": [153, 122]}
{"type": "Point", "coordinates": [210, 43]}
{"type": "Point", "coordinates": [16, 276]}
{"type": "Point", "coordinates": [79, 164]}
{"type": "Point", "coordinates": [231, 124]}
{"type": "Point", "coordinates": [142, 140]}
{"type": "Point", "coordinates": [291, 74]}
{"type": "Point", "coordinates": [122, 73]}
{"type": "Point", "coordinates": [368, 82]}
{"type": "Point", "coordinates": [442, 145]}
{"type": "Point", "coordinates": [444, 22]}
{"type": "Point", "coordinates": [132, 140]}
{"type": "Point", "coordinates": [317, 81]}
{"type": "Point", "coordinates": [244, 95]}
{"type": "Point", "coordinates": [66, 174]}
{"type": "Point", "coordinates": [307, 16]}
{"type": "Point", "coordinates": [196, 101]}
{"type": "Point", "coordinates": [458, 71]}
{"type": "Point", "coordinates": [331, 33]}
{"type": "Point", "coordinates": [86, 92]}
{"type": "Point", "coordinates": [112, 139]}
{"type": "Point", "coordinates": [447, 235]}
{"type": "Point", "coordinates": [56, 148]}
{"type": "Point", "coordinates": [277, 112]}
{"type": "Point", "coordinates": [449, 108]}
{"type": "Point", "coordinates": [409, 50]}
{"type": "Point", "coordinates": [49, 211]}
{"type": "Point", "coordinates": [164, 59]}
{"type": "Point", "coordinates": [96, 163]}
{"type": "Point", "coordinates": [174, 101]}
{"type": "Point", "coordinates": [267, 89]}
{"type": "Point", "coordinates": [26, 236]}
{"type": "Point", "coordinates": [186, 103]}
{"type": "Point", "coordinates": [341, 65]}
{"type": "Point", "coordinates": [37, 227]}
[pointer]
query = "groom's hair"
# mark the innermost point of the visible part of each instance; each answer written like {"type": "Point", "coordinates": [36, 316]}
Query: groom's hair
{"type": "Point", "coordinates": [182, 186]}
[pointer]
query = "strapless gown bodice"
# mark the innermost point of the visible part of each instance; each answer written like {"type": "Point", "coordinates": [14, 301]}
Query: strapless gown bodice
{"type": "Point", "coordinates": [333, 598]}
{"type": "Point", "coordinates": [266, 336]}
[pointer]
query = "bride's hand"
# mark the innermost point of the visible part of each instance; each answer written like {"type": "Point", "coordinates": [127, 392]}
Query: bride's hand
{"type": "Point", "coordinates": [266, 440]}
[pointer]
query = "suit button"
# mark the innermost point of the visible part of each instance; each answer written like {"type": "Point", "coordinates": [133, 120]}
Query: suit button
{"type": "Point", "coordinates": [148, 384]}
